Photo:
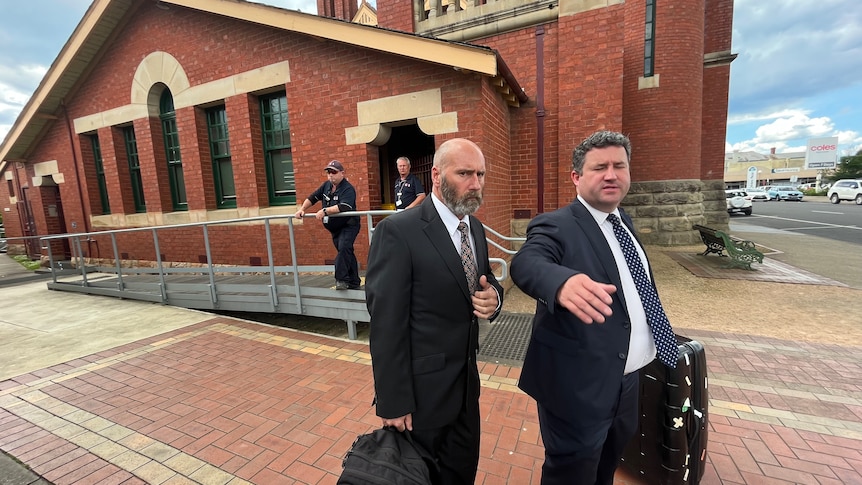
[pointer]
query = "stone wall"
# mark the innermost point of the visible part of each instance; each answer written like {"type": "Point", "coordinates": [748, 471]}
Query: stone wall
{"type": "Point", "coordinates": [664, 211]}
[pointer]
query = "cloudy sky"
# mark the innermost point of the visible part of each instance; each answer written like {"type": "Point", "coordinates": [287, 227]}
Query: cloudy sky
{"type": "Point", "coordinates": [798, 74]}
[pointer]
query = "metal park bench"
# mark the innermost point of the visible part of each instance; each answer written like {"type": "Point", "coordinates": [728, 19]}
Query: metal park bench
{"type": "Point", "coordinates": [741, 253]}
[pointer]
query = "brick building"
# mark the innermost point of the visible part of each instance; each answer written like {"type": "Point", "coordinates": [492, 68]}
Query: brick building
{"type": "Point", "coordinates": [175, 111]}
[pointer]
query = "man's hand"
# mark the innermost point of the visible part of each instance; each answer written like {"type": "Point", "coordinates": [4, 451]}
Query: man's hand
{"type": "Point", "coordinates": [299, 214]}
{"type": "Point", "coordinates": [588, 300]}
{"type": "Point", "coordinates": [319, 215]}
{"type": "Point", "coordinates": [402, 423]}
{"type": "Point", "coordinates": [485, 300]}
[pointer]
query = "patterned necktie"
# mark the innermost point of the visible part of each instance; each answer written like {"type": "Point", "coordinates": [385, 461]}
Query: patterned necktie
{"type": "Point", "coordinates": [467, 259]}
{"type": "Point", "coordinates": [665, 342]}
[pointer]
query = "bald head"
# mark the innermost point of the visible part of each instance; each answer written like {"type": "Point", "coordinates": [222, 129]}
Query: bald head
{"type": "Point", "coordinates": [458, 175]}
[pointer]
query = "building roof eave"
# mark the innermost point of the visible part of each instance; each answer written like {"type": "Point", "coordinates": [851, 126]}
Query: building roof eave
{"type": "Point", "coordinates": [62, 77]}
{"type": "Point", "coordinates": [457, 55]}
{"type": "Point", "coordinates": [103, 17]}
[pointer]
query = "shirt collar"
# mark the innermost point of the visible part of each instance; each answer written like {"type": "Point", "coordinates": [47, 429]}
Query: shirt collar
{"type": "Point", "coordinates": [449, 219]}
{"type": "Point", "coordinates": [598, 215]}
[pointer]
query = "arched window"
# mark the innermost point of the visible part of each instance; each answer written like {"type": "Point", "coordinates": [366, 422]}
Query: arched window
{"type": "Point", "coordinates": [172, 149]}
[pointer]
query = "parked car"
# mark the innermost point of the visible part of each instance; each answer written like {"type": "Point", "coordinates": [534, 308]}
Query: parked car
{"type": "Point", "coordinates": [785, 192]}
{"type": "Point", "coordinates": [846, 189]}
{"type": "Point", "coordinates": [758, 193]}
{"type": "Point", "coordinates": [738, 201]}
{"type": "Point", "coordinates": [3, 245]}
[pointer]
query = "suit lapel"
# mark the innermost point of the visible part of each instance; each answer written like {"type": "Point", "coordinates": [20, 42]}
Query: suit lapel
{"type": "Point", "coordinates": [436, 232]}
{"type": "Point", "coordinates": [478, 232]}
{"type": "Point", "coordinates": [600, 245]}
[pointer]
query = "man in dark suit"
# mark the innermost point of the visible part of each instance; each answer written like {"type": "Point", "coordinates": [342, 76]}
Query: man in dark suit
{"type": "Point", "coordinates": [425, 309]}
{"type": "Point", "coordinates": [590, 333]}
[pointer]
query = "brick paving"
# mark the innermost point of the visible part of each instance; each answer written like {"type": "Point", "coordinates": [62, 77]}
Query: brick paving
{"type": "Point", "coordinates": [233, 402]}
{"type": "Point", "coordinates": [771, 270]}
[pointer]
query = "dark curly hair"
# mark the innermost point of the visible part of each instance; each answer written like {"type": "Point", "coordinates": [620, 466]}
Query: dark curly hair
{"type": "Point", "coordinates": [599, 139]}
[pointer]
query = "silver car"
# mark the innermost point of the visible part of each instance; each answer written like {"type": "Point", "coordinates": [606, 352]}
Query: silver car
{"type": "Point", "coordinates": [785, 192]}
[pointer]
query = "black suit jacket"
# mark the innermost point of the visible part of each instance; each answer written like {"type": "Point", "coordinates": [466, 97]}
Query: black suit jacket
{"type": "Point", "coordinates": [424, 337]}
{"type": "Point", "coordinates": [572, 368]}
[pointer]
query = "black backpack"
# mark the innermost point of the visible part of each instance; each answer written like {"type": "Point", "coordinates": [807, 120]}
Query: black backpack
{"type": "Point", "coordinates": [387, 457]}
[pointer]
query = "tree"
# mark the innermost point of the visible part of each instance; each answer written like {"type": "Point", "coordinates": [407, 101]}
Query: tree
{"type": "Point", "coordinates": [850, 167]}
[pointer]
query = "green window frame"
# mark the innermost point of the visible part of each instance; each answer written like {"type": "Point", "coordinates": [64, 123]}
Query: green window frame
{"type": "Point", "coordinates": [171, 136]}
{"type": "Point", "coordinates": [219, 140]}
{"type": "Point", "coordinates": [134, 169]}
{"type": "Point", "coordinates": [100, 174]}
{"type": "Point", "coordinates": [275, 125]}
{"type": "Point", "coordinates": [649, 39]}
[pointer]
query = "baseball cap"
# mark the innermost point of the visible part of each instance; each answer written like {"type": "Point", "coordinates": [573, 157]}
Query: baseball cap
{"type": "Point", "coordinates": [334, 165]}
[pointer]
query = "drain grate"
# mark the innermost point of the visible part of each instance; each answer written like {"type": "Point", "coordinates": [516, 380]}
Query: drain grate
{"type": "Point", "coordinates": [508, 338]}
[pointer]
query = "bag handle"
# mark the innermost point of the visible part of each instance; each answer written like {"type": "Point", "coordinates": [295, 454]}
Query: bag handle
{"type": "Point", "coordinates": [416, 446]}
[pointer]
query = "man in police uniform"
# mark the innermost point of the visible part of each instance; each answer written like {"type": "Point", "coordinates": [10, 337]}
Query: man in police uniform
{"type": "Point", "coordinates": [338, 195]}
{"type": "Point", "coordinates": [409, 191]}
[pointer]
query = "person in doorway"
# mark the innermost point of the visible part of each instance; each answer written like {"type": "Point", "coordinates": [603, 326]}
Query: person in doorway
{"type": "Point", "coordinates": [409, 191]}
{"type": "Point", "coordinates": [338, 195]}
{"type": "Point", "coordinates": [429, 280]}
{"type": "Point", "coordinates": [598, 318]}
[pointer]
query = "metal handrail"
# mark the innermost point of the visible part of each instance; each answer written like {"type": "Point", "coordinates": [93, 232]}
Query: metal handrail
{"type": "Point", "coordinates": [210, 269]}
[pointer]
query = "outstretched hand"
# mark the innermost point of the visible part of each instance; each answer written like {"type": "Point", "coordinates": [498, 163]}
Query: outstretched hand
{"type": "Point", "coordinates": [588, 300]}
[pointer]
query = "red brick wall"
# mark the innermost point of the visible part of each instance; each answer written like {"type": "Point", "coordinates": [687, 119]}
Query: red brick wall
{"type": "Point", "coordinates": [116, 164]}
{"type": "Point", "coordinates": [494, 139]}
{"type": "Point", "coordinates": [519, 50]}
{"type": "Point", "coordinates": [395, 14]}
{"type": "Point", "coordinates": [718, 25]}
{"type": "Point", "coordinates": [590, 53]}
{"type": "Point", "coordinates": [197, 165]}
{"type": "Point", "coordinates": [154, 164]}
{"type": "Point", "coordinates": [716, 83]}
{"type": "Point", "coordinates": [664, 123]}
{"type": "Point", "coordinates": [246, 148]}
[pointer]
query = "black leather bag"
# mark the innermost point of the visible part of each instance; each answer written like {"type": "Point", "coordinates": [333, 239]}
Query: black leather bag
{"type": "Point", "coordinates": [387, 457]}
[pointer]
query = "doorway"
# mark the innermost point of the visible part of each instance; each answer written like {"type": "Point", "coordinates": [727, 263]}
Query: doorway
{"type": "Point", "coordinates": [405, 141]}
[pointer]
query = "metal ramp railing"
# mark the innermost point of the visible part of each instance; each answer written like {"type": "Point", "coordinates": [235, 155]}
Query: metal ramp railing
{"type": "Point", "coordinates": [271, 288]}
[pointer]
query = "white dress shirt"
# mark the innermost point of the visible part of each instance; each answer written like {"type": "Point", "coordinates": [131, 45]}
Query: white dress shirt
{"type": "Point", "coordinates": [641, 344]}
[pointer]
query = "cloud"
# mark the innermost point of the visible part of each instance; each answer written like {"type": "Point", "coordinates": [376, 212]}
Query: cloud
{"type": "Point", "coordinates": [789, 49]}
{"type": "Point", "coordinates": [17, 84]}
{"type": "Point", "coordinates": [789, 131]}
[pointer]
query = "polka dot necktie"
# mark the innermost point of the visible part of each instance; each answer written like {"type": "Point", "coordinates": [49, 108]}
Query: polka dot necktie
{"type": "Point", "coordinates": [467, 259]}
{"type": "Point", "coordinates": [665, 342]}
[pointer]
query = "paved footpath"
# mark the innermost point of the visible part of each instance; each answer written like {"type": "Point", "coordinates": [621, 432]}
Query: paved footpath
{"type": "Point", "coordinates": [225, 401]}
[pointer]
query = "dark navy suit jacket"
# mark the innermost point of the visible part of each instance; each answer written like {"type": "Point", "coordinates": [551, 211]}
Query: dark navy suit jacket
{"type": "Point", "coordinates": [571, 368]}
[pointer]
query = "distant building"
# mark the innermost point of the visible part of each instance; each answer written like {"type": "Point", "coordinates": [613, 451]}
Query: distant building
{"type": "Point", "coordinates": [177, 111]}
{"type": "Point", "coordinates": [772, 169]}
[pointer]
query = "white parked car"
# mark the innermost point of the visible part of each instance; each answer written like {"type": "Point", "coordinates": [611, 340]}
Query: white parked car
{"type": "Point", "coordinates": [846, 189]}
{"type": "Point", "coordinates": [738, 201]}
{"type": "Point", "coordinates": [758, 193]}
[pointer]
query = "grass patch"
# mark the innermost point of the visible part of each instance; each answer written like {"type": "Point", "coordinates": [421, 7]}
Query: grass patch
{"type": "Point", "coordinates": [27, 263]}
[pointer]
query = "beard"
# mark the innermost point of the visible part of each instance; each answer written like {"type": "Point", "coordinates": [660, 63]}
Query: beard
{"type": "Point", "coordinates": [460, 206]}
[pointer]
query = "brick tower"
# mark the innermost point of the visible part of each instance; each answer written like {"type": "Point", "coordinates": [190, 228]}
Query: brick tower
{"type": "Point", "coordinates": [340, 9]}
